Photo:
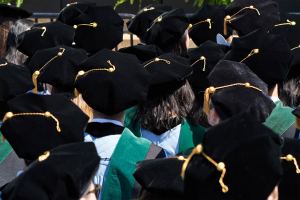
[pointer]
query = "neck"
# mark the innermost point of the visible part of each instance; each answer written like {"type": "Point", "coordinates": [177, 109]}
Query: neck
{"type": "Point", "coordinates": [274, 91]}
{"type": "Point", "coordinates": [118, 117]}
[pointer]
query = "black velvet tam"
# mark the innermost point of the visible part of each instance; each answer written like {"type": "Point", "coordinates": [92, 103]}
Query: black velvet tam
{"type": "Point", "coordinates": [37, 123]}
{"type": "Point", "coordinates": [62, 173]}
{"type": "Point", "coordinates": [250, 153]}
{"type": "Point", "coordinates": [111, 82]}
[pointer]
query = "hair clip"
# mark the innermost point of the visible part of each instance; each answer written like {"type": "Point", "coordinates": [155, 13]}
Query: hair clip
{"type": "Point", "coordinates": [221, 167]}
{"type": "Point", "coordinates": [47, 114]}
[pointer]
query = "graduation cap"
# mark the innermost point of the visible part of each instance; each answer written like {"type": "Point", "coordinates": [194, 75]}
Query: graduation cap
{"type": "Point", "coordinates": [143, 52]}
{"type": "Point", "coordinates": [203, 59]}
{"type": "Point", "coordinates": [235, 88]}
{"type": "Point", "coordinates": [38, 123]}
{"type": "Point", "coordinates": [245, 16]}
{"type": "Point", "coordinates": [73, 12]}
{"type": "Point", "coordinates": [239, 159]}
{"type": "Point", "coordinates": [62, 173]}
{"type": "Point", "coordinates": [99, 27]}
{"type": "Point", "coordinates": [207, 23]}
{"type": "Point", "coordinates": [13, 12]}
{"type": "Point", "coordinates": [161, 177]}
{"type": "Point", "coordinates": [15, 80]}
{"type": "Point", "coordinates": [168, 73]}
{"type": "Point", "coordinates": [267, 55]}
{"type": "Point", "coordinates": [139, 24]}
{"type": "Point", "coordinates": [56, 66]}
{"type": "Point", "coordinates": [111, 82]}
{"type": "Point", "coordinates": [290, 181]}
{"type": "Point", "coordinates": [167, 29]}
{"type": "Point", "coordinates": [43, 36]}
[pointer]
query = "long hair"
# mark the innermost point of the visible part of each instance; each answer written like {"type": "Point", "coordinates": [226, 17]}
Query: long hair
{"type": "Point", "coordinates": [163, 113]}
{"type": "Point", "coordinates": [12, 54]}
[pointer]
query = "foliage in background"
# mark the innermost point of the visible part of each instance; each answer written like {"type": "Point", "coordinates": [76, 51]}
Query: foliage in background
{"type": "Point", "coordinates": [18, 3]}
{"type": "Point", "coordinates": [197, 3]}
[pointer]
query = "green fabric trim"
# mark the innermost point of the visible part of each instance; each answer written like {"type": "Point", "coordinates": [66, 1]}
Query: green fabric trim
{"type": "Point", "coordinates": [119, 181]}
{"type": "Point", "coordinates": [5, 148]}
{"type": "Point", "coordinates": [190, 135]}
{"type": "Point", "coordinates": [281, 118]}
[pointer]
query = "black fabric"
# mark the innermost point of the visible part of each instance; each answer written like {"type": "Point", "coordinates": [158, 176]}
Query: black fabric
{"type": "Point", "coordinates": [213, 53]}
{"type": "Point", "coordinates": [201, 32]}
{"type": "Point", "coordinates": [161, 177]}
{"type": "Point", "coordinates": [113, 92]}
{"type": "Point", "coordinates": [290, 182]}
{"type": "Point", "coordinates": [291, 132]}
{"type": "Point", "coordinates": [99, 130]}
{"type": "Point", "coordinates": [14, 80]}
{"type": "Point", "coordinates": [248, 20]}
{"type": "Point", "coordinates": [167, 74]}
{"type": "Point", "coordinates": [250, 152]}
{"type": "Point", "coordinates": [167, 29]}
{"type": "Point", "coordinates": [139, 24]}
{"type": "Point", "coordinates": [73, 12]}
{"type": "Point", "coordinates": [55, 34]}
{"type": "Point", "coordinates": [13, 12]}
{"type": "Point", "coordinates": [62, 70]}
{"type": "Point", "coordinates": [236, 99]}
{"type": "Point", "coordinates": [65, 174]}
{"type": "Point", "coordinates": [295, 66]}
{"type": "Point", "coordinates": [30, 135]}
{"type": "Point", "coordinates": [108, 33]}
{"type": "Point", "coordinates": [143, 52]}
{"type": "Point", "coordinates": [271, 64]}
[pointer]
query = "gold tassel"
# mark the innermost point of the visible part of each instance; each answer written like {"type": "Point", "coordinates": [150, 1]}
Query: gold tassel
{"type": "Point", "coordinates": [35, 75]}
{"type": "Point", "coordinates": [291, 158]}
{"type": "Point", "coordinates": [207, 94]}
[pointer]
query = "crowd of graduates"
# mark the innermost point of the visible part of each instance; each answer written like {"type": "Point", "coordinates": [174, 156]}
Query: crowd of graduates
{"type": "Point", "coordinates": [84, 120]}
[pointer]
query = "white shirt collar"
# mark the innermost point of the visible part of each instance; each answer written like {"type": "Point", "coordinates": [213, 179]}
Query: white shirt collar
{"type": "Point", "coordinates": [275, 99]}
{"type": "Point", "coordinates": [102, 120]}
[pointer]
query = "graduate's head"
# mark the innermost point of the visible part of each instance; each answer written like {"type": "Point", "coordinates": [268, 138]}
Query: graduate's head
{"type": "Point", "coordinates": [234, 88]}
{"type": "Point", "coordinates": [238, 159]}
{"type": "Point", "coordinates": [64, 172]}
{"type": "Point", "coordinates": [139, 24]}
{"type": "Point", "coordinates": [57, 67]}
{"type": "Point", "coordinates": [266, 54]}
{"type": "Point", "coordinates": [38, 123]}
{"type": "Point", "coordinates": [170, 96]}
{"type": "Point", "coordinates": [96, 27]}
{"type": "Point", "coordinates": [169, 31]}
{"type": "Point", "coordinates": [111, 82]}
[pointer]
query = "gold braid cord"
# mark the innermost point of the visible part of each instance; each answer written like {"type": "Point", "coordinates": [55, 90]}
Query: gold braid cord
{"type": "Point", "coordinates": [10, 115]}
{"type": "Point", "coordinates": [221, 167]}
{"type": "Point", "coordinates": [36, 74]}
{"type": "Point", "coordinates": [229, 18]}
{"type": "Point", "coordinates": [81, 73]}
{"type": "Point", "coordinates": [291, 158]}
{"type": "Point", "coordinates": [157, 60]}
{"type": "Point", "coordinates": [212, 90]}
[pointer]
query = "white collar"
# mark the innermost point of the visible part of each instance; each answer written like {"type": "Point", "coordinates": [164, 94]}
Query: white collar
{"type": "Point", "coordinates": [275, 99]}
{"type": "Point", "coordinates": [102, 120]}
